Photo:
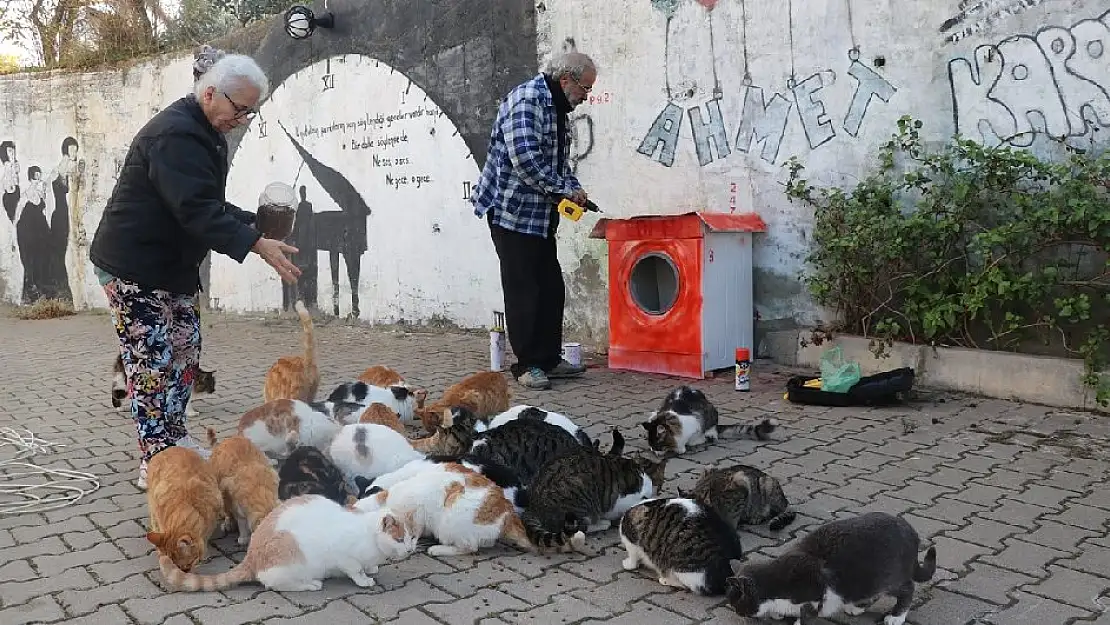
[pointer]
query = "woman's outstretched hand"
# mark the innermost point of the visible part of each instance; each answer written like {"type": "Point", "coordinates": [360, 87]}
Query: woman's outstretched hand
{"type": "Point", "coordinates": [274, 253]}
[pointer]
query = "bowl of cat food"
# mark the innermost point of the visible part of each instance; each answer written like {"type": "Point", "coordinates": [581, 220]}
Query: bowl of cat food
{"type": "Point", "coordinates": [276, 211]}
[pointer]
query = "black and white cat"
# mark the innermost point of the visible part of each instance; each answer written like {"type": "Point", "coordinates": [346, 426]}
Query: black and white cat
{"type": "Point", "coordinates": [685, 542]}
{"type": "Point", "coordinates": [525, 411]}
{"type": "Point", "coordinates": [401, 399]}
{"type": "Point", "coordinates": [687, 418]}
{"type": "Point", "coordinates": [523, 445]}
{"type": "Point", "coordinates": [842, 565]}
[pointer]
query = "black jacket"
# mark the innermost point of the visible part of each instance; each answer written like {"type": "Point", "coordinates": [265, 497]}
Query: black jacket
{"type": "Point", "coordinates": [168, 209]}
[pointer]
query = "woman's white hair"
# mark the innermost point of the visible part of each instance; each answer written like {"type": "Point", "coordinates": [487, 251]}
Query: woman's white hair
{"type": "Point", "coordinates": [573, 64]}
{"type": "Point", "coordinates": [233, 72]}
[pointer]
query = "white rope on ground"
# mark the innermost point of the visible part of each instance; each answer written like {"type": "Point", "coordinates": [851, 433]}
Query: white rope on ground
{"type": "Point", "coordinates": [62, 487]}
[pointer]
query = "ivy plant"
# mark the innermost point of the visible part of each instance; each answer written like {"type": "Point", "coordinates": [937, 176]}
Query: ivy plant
{"type": "Point", "coordinates": [968, 245]}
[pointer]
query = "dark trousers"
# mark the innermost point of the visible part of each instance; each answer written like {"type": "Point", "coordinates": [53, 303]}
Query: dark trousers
{"type": "Point", "coordinates": [532, 282]}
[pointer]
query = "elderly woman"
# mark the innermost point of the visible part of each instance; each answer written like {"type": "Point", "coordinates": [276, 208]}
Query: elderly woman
{"type": "Point", "coordinates": [166, 213]}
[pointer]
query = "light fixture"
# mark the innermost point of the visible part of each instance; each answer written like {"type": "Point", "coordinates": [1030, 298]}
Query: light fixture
{"type": "Point", "coordinates": [301, 22]}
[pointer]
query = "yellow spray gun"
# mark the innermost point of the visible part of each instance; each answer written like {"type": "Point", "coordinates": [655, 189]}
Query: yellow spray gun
{"type": "Point", "coordinates": [567, 208]}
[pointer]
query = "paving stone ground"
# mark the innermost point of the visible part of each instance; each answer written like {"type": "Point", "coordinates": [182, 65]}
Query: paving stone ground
{"type": "Point", "coordinates": [1014, 496]}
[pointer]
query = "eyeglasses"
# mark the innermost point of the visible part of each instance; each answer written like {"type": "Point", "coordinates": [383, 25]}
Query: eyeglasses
{"type": "Point", "coordinates": [583, 87]}
{"type": "Point", "coordinates": [241, 111]}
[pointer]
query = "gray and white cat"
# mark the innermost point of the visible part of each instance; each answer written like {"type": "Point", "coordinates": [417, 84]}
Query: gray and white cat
{"type": "Point", "coordinates": [744, 495]}
{"type": "Point", "coordinates": [586, 490]}
{"type": "Point", "coordinates": [687, 418]}
{"type": "Point", "coordinates": [842, 565]}
{"type": "Point", "coordinates": [524, 446]}
{"type": "Point", "coordinates": [204, 383]}
{"type": "Point", "coordinates": [685, 542]}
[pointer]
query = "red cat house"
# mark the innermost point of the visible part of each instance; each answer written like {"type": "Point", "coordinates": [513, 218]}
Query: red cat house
{"type": "Point", "coordinates": [680, 291]}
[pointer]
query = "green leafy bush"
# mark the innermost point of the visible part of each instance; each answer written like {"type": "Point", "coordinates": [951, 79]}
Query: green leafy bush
{"type": "Point", "coordinates": [968, 245]}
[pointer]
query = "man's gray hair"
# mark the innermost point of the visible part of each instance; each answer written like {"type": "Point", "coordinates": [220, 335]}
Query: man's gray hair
{"type": "Point", "coordinates": [233, 72]}
{"type": "Point", "coordinates": [573, 64]}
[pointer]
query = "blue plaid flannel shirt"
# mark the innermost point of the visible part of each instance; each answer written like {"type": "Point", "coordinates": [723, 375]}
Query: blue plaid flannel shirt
{"type": "Point", "coordinates": [522, 173]}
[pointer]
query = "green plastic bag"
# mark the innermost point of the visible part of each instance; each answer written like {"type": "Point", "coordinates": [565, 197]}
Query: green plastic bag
{"type": "Point", "coordinates": [837, 375]}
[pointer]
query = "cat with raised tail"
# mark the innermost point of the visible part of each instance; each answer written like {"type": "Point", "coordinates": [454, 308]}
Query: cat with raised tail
{"type": "Point", "coordinates": [687, 418]}
{"type": "Point", "coordinates": [295, 377]}
{"type": "Point", "coordinates": [843, 565]}
{"type": "Point", "coordinates": [289, 553]}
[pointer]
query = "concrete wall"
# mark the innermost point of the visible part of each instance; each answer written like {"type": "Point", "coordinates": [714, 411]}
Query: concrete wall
{"type": "Point", "coordinates": [698, 104]}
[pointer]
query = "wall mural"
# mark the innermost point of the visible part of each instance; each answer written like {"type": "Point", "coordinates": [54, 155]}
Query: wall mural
{"type": "Point", "coordinates": [382, 178]}
{"type": "Point", "coordinates": [38, 205]}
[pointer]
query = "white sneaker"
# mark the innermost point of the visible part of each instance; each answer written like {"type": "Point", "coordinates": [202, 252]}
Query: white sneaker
{"type": "Point", "coordinates": [188, 443]}
{"type": "Point", "coordinates": [141, 482]}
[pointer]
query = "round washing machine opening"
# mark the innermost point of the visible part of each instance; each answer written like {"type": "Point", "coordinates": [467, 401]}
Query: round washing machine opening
{"type": "Point", "coordinates": [653, 283]}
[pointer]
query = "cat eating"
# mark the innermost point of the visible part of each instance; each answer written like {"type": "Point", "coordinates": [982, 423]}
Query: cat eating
{"type": "Point", "coordinates": [185, 505]}
{"type": "Point", "coordinates": [280, 426]}
{"type": "Point", "coordinates": [247, 481]}
{"type": "Point", "coordinates": [307, 471]}
{"type": "Point", "coordinates": [842, 565]}
{"type": "Point", "coordinates": [370, 450]}
{"type": "Point", "coordinates": [290, 553]}
{"type": "Point", "coordinates": [399, 399]}
{"type": "Point", "coordinates": [485, 393]}
{"type": "Point", "coordinates": [687, 418]}
{"type": "Point", "coordinates": [523, 445]}
{"type": "Point", "coordinates": [531, 412]}
{"type": "Point", "coordinates": [686, 543]}
{"type": "Point", "coordinates": [744, 495]}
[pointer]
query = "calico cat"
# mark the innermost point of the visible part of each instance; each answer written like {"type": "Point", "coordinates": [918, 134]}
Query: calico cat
{"type": "Point", "coordinates": [290, 553]}
{"type": "Point", "coordinates": [295, 377]}
{"type": "Point", "coordinates": [588, 490]}
{"type": "Point", "coordinates": [485, 393]}
{"type": "Point", "coordinates": [204, 383]}
{"type": "Point", "coordinates": [381, 414]}
{"type": "Point", "coordinates": [280, 426]}
{"type": "Point", "coordinates": [686, 543]}
{"type": "Point", "coordinates": [383, 376]}
{"type": "Point", "coordinates": [454, 435]}
{"type": "Point", "coordinates": [400, 399]}
{"type": "Point", "coordinates": [744, 495]}
{"type": "Point", "coordinates": [687, 418]}
{"type": "Point", "coordinates": [185, 505]}
{"type": "Point", "coordinates": [531, 412]}
{"type": "Point", "coordinates": [523, 445]}
{"type": "Point", "coordinates": [307, 471]}
{"type": "Point", "coordinates": [463, 510]}
{"type": "Point", "coordinates": [840, 566]}
{"type": "Point", "coordinates": [370, 450]}
{"type": "Point", "coordinates": [247, 481]}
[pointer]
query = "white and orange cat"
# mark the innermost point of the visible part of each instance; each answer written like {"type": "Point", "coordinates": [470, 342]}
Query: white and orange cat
{"type": "Point", "coordinates": [464, 510]}
{"type": "Point", "coordinates": [247, 481]}
{"type": "Point", "coordinates": [290, 553]}
{"type": "Point", "coordinates": [295, 377]}
{"type": "Point", "coordinates": [383, 376]}
{"type": "Point", "coordinates": [280, 426]}
{"type": "Point", "coordinates": [185, 505]}
{"type": "Point", "coordinates": [485, 393]}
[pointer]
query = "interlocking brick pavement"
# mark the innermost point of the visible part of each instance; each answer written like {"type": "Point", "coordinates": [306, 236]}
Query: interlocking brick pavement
{"type": "Point", "coordinates": [1015, 497]}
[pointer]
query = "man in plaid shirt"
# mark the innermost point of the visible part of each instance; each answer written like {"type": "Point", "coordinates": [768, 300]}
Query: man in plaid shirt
{"type": "Point", "coordinates": [526, 175]}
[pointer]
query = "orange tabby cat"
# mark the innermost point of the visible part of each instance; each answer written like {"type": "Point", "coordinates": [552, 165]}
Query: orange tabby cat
{"type": "Point", "coordinates": [295, 377]}
{"type": "Point", "coordinates": [248, 483]}
{"type": "Point", "coordinates": [185, 505]}
{"type": "Point", "coordinates": [383, 376]}
{"type": "Point", "coordinates": [485, 393]}
{"type": "Point", "coordinates": [382, 415]}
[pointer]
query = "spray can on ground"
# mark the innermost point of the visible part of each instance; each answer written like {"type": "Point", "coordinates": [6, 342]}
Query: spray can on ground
{"type": "Point", "coordinates": [743, 369]}
{"type": "Point", "coordinates": [497, 342]}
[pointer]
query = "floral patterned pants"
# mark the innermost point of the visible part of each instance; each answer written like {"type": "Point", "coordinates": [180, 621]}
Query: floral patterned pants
{"type": "Point", "coordinates": [159, 337]}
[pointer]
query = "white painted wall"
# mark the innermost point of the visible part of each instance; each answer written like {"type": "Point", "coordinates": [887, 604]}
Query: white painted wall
{"type": "Point", "coordinates": [426, 254]}
{"type": "Point", "coordinates": [695, 57]}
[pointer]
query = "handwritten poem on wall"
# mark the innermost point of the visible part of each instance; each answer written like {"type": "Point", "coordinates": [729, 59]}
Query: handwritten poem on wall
{"type": "Point", "coordinates": [384, 139]}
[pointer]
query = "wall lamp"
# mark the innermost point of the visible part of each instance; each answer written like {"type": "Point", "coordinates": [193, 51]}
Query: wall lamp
{"type": "Point", "coordinates": [301, 22]}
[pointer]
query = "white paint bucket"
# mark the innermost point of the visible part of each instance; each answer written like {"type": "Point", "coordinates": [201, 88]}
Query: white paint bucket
{"type": "Point", "coordinates": [572, 353]}
{"type": "Point", "coordinates": [496, 350]}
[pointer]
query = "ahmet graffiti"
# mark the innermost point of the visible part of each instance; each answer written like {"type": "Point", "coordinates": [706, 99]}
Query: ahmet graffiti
{"type": "Point", "coordinates": [765, 114]}
{"type": "Point", "coordinates": [1056, 81]}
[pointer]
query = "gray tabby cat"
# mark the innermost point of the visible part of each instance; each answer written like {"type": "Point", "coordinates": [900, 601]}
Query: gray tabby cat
{"type": "Point", "coordinates": [585, 490]}
{"type": "Point", "coordinates": [842, 565]}
{"type": "Point", "coordinates": [744, 495]}
{"type": "Point", "coordinates": [524, 446]}
{"type": "Point", "coordinates": [687, 418]}
{"type": "Point", "coordinates": [685, 542]}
